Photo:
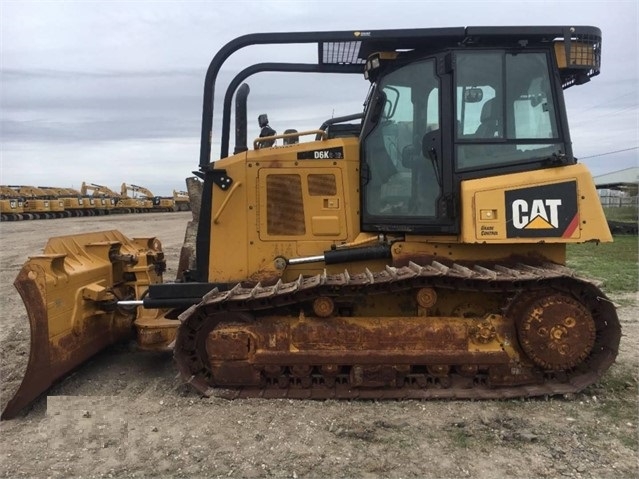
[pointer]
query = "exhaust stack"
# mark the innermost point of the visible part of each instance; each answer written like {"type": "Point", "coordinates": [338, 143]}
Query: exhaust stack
{"type": "Point", "coordinates": [240, 118]}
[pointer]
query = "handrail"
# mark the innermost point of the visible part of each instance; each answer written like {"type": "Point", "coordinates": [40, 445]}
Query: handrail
{"type": "Point", "coordinates": [296, 134]}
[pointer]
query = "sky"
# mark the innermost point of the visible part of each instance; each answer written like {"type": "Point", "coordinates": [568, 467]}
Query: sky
{"type": "Point", "coordinates": [108, 92]}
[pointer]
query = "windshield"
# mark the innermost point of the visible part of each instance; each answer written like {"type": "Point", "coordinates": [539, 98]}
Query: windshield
{"type": "Point", "coordinates": [505, 110]}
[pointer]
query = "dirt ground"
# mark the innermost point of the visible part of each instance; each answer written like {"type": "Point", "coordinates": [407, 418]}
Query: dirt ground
{"type": "Point", "coordinates": [125, 414]}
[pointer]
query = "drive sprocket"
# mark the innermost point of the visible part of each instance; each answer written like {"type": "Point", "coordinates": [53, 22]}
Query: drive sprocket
{"type": "Point", "coordinates": [555, 330]}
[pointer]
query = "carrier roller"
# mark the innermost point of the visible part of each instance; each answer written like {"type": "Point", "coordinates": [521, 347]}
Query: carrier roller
{"type": "Point", "coordinates": [419, 331]}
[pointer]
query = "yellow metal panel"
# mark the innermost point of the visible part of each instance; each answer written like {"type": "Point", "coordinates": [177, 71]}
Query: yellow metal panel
{"type": "Point", "coordinates": [423, 250]}
{"type": "Point", "coordinates": [230, 222]}
{"type": "Point", "coordinates": [558, 205]}
{"type": "Point", "coordinates": [325, 225]}
{"type": "Point", "coordinates": [281, 211]}
{"type": "Point", "coordinates": [243, 247]}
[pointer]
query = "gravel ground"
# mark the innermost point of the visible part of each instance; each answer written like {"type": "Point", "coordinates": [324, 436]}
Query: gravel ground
{"type": "Point", "coordinates": [125, 414]}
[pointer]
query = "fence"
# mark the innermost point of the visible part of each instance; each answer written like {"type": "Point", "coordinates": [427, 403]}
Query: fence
{"type": "Point", "coordinates": [612, 199]}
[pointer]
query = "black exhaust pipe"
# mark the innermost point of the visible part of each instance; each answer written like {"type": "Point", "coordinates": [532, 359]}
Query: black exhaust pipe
{"type": "Point", "coordinates": [241, 123]}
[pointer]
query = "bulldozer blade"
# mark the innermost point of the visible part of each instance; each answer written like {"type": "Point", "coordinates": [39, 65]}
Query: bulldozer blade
{"type": "Point", "coordinates": [70, 294]}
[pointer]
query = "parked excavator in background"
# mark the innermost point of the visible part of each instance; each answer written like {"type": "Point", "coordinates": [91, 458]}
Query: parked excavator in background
{"type": "Point", "coordinates": [46, 202]}
{"type": "Point", "coordinates": [85, 201]}
{"type": "Point", "coordinates": [59, 195]}
{"type": "Point", "coordinates": [38, 204]}
{"type": "Point", "coordinates": [11, 204]}
{"type": "Point", "coordinates": [73, 204]}
{"type": "Point", "coordinates": [415, 249]}
{"type": "Point", "coordinates": [105, 199]}
{"type": "Point", "coordinates": [156, 203]}
{"type": "Point", "coordinates": [59, 201]}
{"type": "Point", "coordinates": [134, 203]}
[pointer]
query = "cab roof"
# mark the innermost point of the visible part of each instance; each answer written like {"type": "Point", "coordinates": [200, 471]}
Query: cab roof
{"type": "Point", "coordinates": [348, 51]}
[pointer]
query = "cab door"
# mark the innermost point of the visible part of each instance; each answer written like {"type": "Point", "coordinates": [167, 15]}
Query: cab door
{"type": "Point", "coordinates": [406, 171]}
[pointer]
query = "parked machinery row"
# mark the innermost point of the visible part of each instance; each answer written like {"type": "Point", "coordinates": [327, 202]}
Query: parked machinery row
{"type": "Point", "coordinates": [20, 202]}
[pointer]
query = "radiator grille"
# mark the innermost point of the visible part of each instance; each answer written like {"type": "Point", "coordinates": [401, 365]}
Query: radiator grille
{"type": "Point", "coordinates": [284, 205]}
{"type": "Point", "coordinates": [322, 185]}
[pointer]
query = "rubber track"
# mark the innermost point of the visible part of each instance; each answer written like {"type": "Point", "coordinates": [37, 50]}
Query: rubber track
{"type": "Point", "coordinates": [511, 280]}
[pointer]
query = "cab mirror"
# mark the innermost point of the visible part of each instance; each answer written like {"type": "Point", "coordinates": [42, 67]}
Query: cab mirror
{"type": "Point", "coordinates": [379, 104]}
{"type": "Point", "coordinates": [473, 95]}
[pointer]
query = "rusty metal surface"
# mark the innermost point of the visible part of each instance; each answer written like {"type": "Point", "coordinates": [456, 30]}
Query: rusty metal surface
{"type": "Point", "coordinates": [70, 292]}
{"type": "Point", "coordinates": [348, 358]}
{"type": "Point", "coordinates": [50, 360]}
{"type": "Point", "coordinates": [555, 331]}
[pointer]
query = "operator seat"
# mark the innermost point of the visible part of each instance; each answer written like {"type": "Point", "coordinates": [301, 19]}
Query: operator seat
{"type": "Point", "coordinates": [491, 122]}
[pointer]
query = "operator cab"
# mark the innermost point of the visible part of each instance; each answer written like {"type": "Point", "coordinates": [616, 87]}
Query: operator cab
{"type": "Point", "coordinates": [461, 113]}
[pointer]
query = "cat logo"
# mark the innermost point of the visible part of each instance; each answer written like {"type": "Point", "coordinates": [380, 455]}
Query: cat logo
{"type": "Point", "coordinates": [541, 214]}
{"type": "Point", "coordinates": [542, 211]}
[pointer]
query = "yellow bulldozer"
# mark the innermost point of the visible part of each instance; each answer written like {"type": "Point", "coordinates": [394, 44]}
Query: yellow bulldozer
{"type": "Point", "coordinates": [415, 249]}
{"type": "Point", "coordinates": [181, 200]}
